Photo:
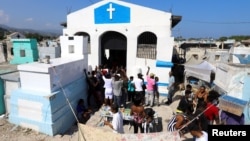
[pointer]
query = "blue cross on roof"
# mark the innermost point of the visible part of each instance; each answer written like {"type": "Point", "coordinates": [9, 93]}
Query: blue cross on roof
{"type": "Point", "coordinates": [112, 13]}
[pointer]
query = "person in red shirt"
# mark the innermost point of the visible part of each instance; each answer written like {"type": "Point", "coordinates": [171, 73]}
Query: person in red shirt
{"type": "Point", "coordinates": [212, 111]}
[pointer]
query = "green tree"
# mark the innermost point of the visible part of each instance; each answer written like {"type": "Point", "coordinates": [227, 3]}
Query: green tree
{"type": "Point", "coordinates": [36, 36]}
{"type": "Point", "coordinates": [223, 38]}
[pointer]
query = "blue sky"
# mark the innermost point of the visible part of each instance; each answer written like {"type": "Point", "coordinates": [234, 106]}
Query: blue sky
{"type": "Point", "coordinates": [200, 18]}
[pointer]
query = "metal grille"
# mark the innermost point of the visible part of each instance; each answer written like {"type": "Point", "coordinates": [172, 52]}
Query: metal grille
{"type": "Point", "coordinates": [146, 51]}
{"type": "Point", "coordinates": [146, 47]}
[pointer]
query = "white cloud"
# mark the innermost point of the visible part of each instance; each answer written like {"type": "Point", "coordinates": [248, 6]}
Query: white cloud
{"type": "Point", "coordinates": [4, 18]}
{"type": "Point", "coordinates": [29, 19]}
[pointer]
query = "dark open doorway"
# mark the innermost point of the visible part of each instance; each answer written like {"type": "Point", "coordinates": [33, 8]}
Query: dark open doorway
{"type": "Point", "coordinates": [118, 57]}
{"type": "Point", "coordinates": [113, 49]}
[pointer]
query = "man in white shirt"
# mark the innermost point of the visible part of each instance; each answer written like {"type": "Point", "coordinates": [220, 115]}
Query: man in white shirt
{"type": "Point", "coordinates": [117, 121]}
{"type": "Point", "coordinates": [197, 132]}
{"type": "Point", "coordinates": [138, 82]}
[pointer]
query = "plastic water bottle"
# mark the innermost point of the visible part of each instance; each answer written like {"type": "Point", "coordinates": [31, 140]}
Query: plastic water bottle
{"type": "Point", "coordinates": [156, 118]}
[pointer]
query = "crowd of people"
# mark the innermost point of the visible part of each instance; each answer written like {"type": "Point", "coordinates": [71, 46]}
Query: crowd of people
{"type": "Point", "coordinates": [198, 109]}
{"type": "Point", "coordinates": [112, 87]}
{"type": "Point", "coordinates": [195, 111]}
{"type": "Point", "coordinates": [108, 86]}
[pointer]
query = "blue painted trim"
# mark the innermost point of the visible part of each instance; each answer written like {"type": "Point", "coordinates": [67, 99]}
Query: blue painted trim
{"type": "Point", "coordinates": [164, 64]}
{"type": "Point", "coordinates": [243, 60]}
{"type": "Point", "coordinates": [234, 100]}
{"type": "Point", "coordinates": [164, 94]}
{"type": "Point", "coordinates": [163, 84]}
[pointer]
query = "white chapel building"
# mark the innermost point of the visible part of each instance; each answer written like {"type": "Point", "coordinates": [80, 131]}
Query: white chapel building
{"type": "Point", "coordinates": [109, 32]}
{"type": "Point", "coordinates": [123, 34]}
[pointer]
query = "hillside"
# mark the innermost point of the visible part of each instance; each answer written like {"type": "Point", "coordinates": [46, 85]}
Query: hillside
{"type": "Point", "coordinates": [7, 30]}
{"type": "Point", "coordinates": [3, 31]}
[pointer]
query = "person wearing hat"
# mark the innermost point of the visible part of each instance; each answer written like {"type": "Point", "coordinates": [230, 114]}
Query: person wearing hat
{"type": "Point", "coordinates": [150, 89]}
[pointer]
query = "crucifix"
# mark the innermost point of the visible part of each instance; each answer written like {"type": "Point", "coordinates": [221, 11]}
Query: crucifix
{"type": "Point", "coordinates": [110, 10]}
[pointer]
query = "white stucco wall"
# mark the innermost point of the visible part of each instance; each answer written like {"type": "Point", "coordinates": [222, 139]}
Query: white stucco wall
{"type": "Point", "coordinates": [50, 77]}
{"type": "Point", "coordinates": [142, 19]}
{"type": "Point", "coordinates": [79, 44]}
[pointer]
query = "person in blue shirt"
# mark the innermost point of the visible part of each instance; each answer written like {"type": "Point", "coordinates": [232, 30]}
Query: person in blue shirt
{"type": "Point", "coordinates": [131, 89]}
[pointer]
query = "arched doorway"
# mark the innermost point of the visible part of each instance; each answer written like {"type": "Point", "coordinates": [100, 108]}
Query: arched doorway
{"type": "Point", "coordinates": [113, 49]}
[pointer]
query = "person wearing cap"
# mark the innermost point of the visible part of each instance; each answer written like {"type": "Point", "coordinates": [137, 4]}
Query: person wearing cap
{"type": "Point", "coordinates": [150, 89]}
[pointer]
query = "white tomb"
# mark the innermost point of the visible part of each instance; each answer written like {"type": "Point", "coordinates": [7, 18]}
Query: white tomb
{"type": "Point", "coordinates": [48, 96]}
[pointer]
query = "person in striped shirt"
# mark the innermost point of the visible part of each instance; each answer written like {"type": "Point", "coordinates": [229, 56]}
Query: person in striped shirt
{"type": "Point", "coordinates": [177, 122]}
